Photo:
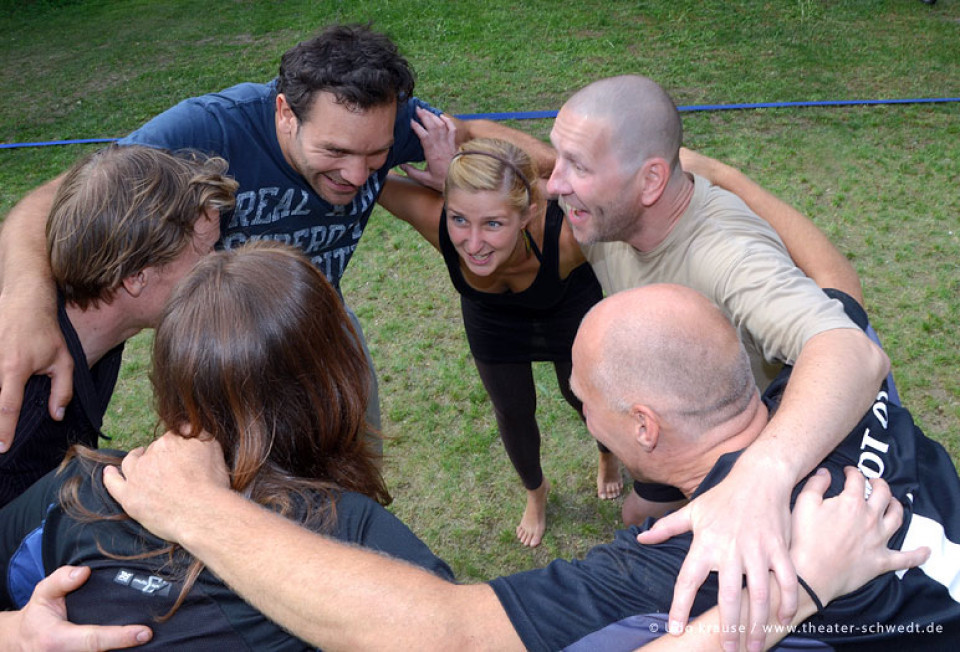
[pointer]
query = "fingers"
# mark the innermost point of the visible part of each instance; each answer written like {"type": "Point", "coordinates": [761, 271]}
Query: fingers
{"type": "Point", "coordinates": [423, 177]}
{"type": "Point", "coordinates": [432, 124]}
{"type": "Point", "coordinates": [666, 527]}
{"type": "Point", "coordinates": [111, 637]}
{"type": "Point", "coordinates": [61, 582]}
{"type": "Point", "coordinates": [48, 618]}
{"type": "Point", "coordinates": [11, 397]}
{"type": "Point", "coordinates": [693, 572]}
{"type": "Point", "coordinates": [902, 560]}
{"type": "Point", "coordinates": [758, 589]}
{"type": "Point", "coordinates": [115, 481]}
{"type": "Point", "coordinates": [814, 489]}
{"type": "Point", "coordinates": [786, 574]}
{"type": "Point", "coordinates": [61, 385]}
{"type": "Point", "coordinates": [730, 582]}
{"type": "Point", "coordinates": [691, 577]}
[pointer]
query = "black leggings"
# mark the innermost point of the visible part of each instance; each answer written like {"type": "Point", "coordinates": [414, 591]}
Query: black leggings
{"type": "Point", "coordinates": [514, 397]}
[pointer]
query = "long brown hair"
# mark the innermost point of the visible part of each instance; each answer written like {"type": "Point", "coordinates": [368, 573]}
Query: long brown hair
{"type": "Point", "coordinates": [255, 349]}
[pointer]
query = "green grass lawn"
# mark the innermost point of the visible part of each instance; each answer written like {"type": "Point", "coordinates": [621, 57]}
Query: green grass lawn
{"type": "Point", "coordinates": [882, 181]}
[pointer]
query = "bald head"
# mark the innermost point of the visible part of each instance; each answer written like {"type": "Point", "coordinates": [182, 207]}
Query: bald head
{"type": "Point", "coordinates": [668, 347]}
{"type": "Point", "coordinates": [642, 120]}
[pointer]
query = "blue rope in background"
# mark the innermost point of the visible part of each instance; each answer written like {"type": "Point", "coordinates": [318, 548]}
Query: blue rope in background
{"type": "Point", "coordinates": [536, 115]}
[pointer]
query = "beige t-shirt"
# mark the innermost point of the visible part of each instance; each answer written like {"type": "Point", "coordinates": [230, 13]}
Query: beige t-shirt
{"type": "Point", "coordinates": [725, 251]}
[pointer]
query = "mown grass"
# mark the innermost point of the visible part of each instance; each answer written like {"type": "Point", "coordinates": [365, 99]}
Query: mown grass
{"type": "Point", "coordinates": [882, 181]}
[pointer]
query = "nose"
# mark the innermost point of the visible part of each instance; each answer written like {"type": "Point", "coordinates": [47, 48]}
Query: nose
{"type": "Point", "coordinates": [355, 170]}
{"type": "Point", "coordinates": [557, 183]}
{"type": "Point", "coordinates": [474, 241]}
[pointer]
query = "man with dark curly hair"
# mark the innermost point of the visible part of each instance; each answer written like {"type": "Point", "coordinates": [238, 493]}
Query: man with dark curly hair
{"type": "Point", "coordinates": [310, 150]}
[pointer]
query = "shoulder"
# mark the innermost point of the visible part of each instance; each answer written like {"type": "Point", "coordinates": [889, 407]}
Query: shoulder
{"type": "Point", "coordinates": [363, 521]}
{"type": "Point", "coordinates": [568, 601]}
{"type": "Point", "coordinates": [202, 122]}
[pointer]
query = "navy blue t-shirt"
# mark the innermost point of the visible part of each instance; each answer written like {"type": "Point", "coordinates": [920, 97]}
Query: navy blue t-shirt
{"type": "Point", "coordinates": [274, 202]}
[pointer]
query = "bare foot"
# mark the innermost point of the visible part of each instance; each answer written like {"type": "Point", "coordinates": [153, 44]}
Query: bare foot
{"type": "Point", "coordinates": [609, 480]}
{"type": "Point", "coordinates": [534, 521]}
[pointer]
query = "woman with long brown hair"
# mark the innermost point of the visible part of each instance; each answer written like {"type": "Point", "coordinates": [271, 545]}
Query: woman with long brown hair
{"type": "Point", "coordinates": [254, 350]}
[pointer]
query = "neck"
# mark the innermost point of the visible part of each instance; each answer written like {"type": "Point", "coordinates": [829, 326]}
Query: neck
{"type": "Point", "coordinates": [659, 219]}
{"type": "Point", "coordinates": [733, 435]}
{"type": "Point", "coordinates": [100, 329]}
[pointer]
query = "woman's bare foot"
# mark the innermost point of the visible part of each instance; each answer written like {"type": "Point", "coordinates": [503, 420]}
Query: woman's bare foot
{"type": "Point", "coordinates": [534, 521]}
{"type": "Point", "coordinates": [609, 480]}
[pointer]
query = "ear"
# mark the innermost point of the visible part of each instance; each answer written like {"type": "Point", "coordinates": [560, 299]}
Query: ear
{"type": "Point", "coordinates": [287, 121]}
{"type": "Point", "coordinates": [646, 427]}
{"type": "Point", "coordinates": [652, 178]}
{"type": "Point", "coordinates": [135, 284]}
{"type": "Point", "coordinates": [529, 215]}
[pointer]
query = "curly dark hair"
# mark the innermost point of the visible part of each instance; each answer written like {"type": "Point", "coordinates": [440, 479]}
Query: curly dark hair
{"type": "Point", "coordinates": [362, 69]}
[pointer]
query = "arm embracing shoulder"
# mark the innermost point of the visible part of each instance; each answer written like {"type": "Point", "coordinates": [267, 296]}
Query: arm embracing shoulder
{"type": "Point", "coordinates": [417, 205]}
{"type": "Point", "coordinates": [30, 338]}
{"type": "Point", "coordinates": [542, 153]}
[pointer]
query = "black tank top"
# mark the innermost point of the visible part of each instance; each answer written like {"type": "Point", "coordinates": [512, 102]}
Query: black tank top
{"type": "Point", "coordinates": [538, 323]}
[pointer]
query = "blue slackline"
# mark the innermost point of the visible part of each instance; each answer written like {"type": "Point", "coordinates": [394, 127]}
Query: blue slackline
{"type": "Point", "coordinates": [535, 115]}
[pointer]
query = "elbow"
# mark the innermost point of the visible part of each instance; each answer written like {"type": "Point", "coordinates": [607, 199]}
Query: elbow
{"type": "Point", "coordinates": [875, 361]}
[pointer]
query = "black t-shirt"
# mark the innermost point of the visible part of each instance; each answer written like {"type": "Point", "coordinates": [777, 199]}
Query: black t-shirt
{"type": "Point", "coordinates": [37, 536]}
{"type": "Point", "coordinates": [40, 443]}
{"type": "Point", "coordinates": [587, 602]}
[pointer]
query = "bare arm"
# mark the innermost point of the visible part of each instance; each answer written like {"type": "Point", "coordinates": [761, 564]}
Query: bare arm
{"type": "Point", "coordinates": [742, 526]}
{"type": "Point", "coordinates": [810, 249]}
{"type": "Point", "coordinates": [542, 153]}
{"type": "Point", "coordinates": [357, 599]}
{"type": "Point", "coordinates": [42, 624]}
{"type": "Point", "coordinates": [30, 338]}
{"type": "Point", "coordinates": [417, 205]}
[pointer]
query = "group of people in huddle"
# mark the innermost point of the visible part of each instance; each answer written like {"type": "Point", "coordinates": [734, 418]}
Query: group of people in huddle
{"type": "Point", "coordinates": [709, 336]}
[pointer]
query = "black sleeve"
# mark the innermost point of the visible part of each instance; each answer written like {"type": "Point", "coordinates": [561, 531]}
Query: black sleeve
{"type": "Point", "coordinates": [554, 607]}
{"type": "Point", "coordinates": [362, 521]}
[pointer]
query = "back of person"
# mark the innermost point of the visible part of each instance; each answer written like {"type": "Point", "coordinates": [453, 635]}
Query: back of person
{"type": "Point", "coordinates": [125, 587]}
{"type": "Point", "coordinates": [293, 439]}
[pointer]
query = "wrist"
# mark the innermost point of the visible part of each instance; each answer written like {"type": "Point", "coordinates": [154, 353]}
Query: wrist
{"type": "Point", "coordinates": [208, 512]}
{"type": "Point", "coordinates": [765, 461]}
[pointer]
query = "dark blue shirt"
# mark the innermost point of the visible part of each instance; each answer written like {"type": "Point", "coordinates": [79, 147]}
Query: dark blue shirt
{"type": "Point", "coordinates": [274, 202]}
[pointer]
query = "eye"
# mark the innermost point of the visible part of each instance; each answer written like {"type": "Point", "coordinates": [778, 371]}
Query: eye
{"type": "Point", "coordinates": [457, 219]}
{"type": "Point", "coordinates": [494, 224]}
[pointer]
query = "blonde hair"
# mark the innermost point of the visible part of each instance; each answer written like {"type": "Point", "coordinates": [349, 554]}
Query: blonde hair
{"type": "Point", "coordinates": [121, 209]}
{"type": "Point", "coordinates": [491, 164]}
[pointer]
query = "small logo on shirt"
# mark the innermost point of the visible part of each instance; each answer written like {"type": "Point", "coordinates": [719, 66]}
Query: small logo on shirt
{"type": "Point", "coordinates": [147, 584]}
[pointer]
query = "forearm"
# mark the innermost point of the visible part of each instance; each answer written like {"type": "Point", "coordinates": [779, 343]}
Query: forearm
{"type": "Point", "coordinates": [834, 382]}
{"type": "Point", "coordinates": [24, 265]}
{"type": "Point", "coordinates": [542, 153]}
{"type": "Point", "coordinates": [703, 633]}
{"type": "Point", "coordinates": [340, 597]}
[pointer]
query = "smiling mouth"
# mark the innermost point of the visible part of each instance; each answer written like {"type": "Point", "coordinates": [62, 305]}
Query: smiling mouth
{"type": "Point", "coordinates": [480, 259]}
{"type": "Point", "coordinates": [575, 215]}
{"type": "Point", "coordinates": [340, 186]}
